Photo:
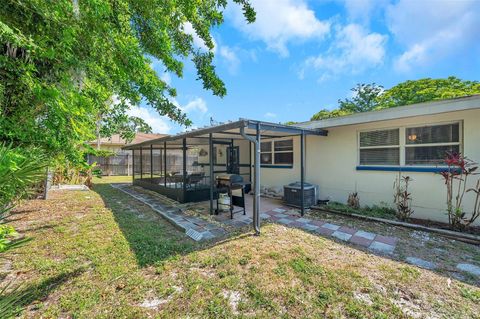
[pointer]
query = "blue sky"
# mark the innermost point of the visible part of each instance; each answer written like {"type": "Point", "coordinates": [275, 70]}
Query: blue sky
{"type": "Point", "coordinates": [301, 56]}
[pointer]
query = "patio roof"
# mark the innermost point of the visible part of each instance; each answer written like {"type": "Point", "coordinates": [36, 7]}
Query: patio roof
{"type": "Point", "coordinates": [228, 131]}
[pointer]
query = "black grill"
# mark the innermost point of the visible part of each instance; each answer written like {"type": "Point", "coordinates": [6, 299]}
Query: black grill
{"type": "Point", "coordinates": [225, 185]}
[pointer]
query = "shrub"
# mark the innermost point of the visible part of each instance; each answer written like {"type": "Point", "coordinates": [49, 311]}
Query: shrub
{"type": "Point", "coordinates": [353, 200]}
{"type": "Point", "coordinates": [402, 198]}
{"type": "Point", "coordinates": [456, 181]}
{"type": "Point", "coordinates": [19, 170]}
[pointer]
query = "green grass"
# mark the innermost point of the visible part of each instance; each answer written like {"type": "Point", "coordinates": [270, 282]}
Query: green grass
{"type": "Point", "coordinates": [101, 254]}
{"type": "Point", "coordinates": [380, 211]}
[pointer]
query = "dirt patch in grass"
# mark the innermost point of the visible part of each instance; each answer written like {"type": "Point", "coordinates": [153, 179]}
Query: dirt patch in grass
{"type": "Point", "coordinates": [93, 256]}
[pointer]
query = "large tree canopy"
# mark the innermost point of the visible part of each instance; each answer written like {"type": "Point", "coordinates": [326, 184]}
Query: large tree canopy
{"type": "Point", "coordinates": [369, 97]}
{"type": "Point", "coordinates": [62, 61]}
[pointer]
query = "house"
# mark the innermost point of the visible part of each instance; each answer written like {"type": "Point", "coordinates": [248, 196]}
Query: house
{"type": "Point", "coordinates": [361, 153]}
{"type": "Point", "coordinates": [120, 162]}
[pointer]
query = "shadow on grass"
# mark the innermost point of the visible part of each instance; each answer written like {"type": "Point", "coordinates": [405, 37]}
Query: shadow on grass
{"type": "Point", "coordinates": [152, 238]}
{"type": "Point", "coordinates": [14, 298]}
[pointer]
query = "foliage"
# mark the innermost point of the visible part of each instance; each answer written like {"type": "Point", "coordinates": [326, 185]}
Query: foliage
{"type": "Point", "coordinates": [369, 97]}
{"type": "Point", "coordinates": [425, 90]}
{"type": "Point", "coordinates": [116, 121]}
{"type": "Point", "coordinates": [19, 170]}
{"type": "Point", "coordinates": [364, 98]}
{"type": "Point", "coordinates": [7, 234]}
{"type": "Point", "coordinates": [381, 211]}
{"type": "Point", "coordinates": [456, 181]}
{"type": "Point", "coordinates": [11, 298]}
{"type": "Point", "coordinates": [63, 62]}
{"type": "Point", "coordinates": [80, 173]}
{"type": "Point", "coordinates": [353, 200]}
{"type": "Point", "coordinates": [326, 114]}
{"type": "Point", "coordinates": [402, 198]}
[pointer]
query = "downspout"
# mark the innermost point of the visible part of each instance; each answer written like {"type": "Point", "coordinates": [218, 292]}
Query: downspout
{"type": "Point", "coordinates": [256, 198]}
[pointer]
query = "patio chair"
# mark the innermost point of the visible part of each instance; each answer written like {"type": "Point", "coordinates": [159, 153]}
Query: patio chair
{"type": "Point", "coordinates": [194, 178]}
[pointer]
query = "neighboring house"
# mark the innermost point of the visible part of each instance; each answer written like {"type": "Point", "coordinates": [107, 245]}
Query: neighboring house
{"type": "Point", "coordinates": [121, 162]}
{"type": "Point", "coordinates": [362, 153]}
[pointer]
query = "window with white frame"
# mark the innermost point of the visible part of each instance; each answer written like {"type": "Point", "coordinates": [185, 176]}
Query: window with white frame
{"type": "Point", "coordinates": [276, 152]}
{"type": "Point", "coordinates": [428, 145]}
{"type": "Point", "coordinates": [412, 146]}
{"type": "Point", "coordinates": [380, 147]}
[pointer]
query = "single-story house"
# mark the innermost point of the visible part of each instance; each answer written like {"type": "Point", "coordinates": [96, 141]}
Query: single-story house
{"type": "Point", "coordinates": [361, 153]}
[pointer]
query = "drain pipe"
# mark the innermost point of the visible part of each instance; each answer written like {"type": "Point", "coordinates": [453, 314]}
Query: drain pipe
{"type": "Point", "coordinates": [256, 199]}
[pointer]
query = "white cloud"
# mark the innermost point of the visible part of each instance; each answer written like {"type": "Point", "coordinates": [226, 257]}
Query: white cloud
{"type": "Point", "coordinates": [432, 30]}
{"type": "Point", "coordinates": [353, 50]}
{"type": "Point", "coordinates": [159, 124]}
{"type": "Point", "coordinates": [196, 105]}
{"type": "Point", "coordinates": [231, 58]}
{"type": "Point", "coordinates": [280, 22]}
{"type": "Point", "coordinates": [270, 115]}
{"type": "Point", "coordinates": [165, 77]}
{"type": "Point", "coordinates": [197, 41]}
{"type": "Point", "coordinates": [362, 10]}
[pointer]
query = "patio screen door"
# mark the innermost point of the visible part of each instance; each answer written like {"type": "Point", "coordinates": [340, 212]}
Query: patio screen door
{"type": "Point", "coordinates": [233, 160]}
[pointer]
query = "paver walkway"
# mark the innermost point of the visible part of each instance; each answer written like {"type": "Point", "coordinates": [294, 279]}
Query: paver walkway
{"type": "Point", "coordinates": [195, 227]}
{"type": "Point", "coordinates": [200, 229]}
{"type": "Point", "coordinates": [374, 242]}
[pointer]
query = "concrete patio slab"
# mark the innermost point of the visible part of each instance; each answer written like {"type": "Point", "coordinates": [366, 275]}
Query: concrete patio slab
{"type": "Point", "coordinates": [364, 234]}
{"type": "Point", "coordinates": [421, 263]}
{"type": "Point", "coordinates": [331, 226]}
{"type": "Point", "coordinates": [471, 269]}
{"type": "Point", "coordinates": [381, 247]}
{"type": "Point", "coordinates": [341, 235]}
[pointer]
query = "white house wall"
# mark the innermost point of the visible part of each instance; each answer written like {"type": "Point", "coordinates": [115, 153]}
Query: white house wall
{"type": "Point", "coordinates": [331, 163]}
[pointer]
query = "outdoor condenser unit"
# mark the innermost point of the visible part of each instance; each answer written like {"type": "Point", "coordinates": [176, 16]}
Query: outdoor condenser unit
{"type": "Point", "coordinates": [293, 194]}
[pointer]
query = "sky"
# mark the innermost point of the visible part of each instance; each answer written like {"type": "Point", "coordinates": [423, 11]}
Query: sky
{"type": "Point", "coordinates": [301, 56]}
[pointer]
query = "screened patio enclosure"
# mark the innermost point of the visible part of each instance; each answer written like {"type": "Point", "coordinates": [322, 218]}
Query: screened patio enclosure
{"type": "Point", "coordinates": [184, 166]}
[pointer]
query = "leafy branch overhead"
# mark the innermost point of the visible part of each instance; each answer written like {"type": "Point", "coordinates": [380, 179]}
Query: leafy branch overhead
{"type": "Point", "coordinates": [370, 97]}
{"type": "Point", "coordinates": [61, 62]}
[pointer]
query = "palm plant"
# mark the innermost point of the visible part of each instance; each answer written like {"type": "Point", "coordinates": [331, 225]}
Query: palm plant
{"type": "Point", "coordinates": [19, 171]}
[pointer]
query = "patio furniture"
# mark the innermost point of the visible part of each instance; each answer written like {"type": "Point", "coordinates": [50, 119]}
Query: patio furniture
{"type": "Point", "coordinates": [194, 178]}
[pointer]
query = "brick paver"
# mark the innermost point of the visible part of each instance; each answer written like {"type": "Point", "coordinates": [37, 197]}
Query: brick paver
{"type": "Point", "coordinates": [195, 227]}
{"type": "Point", "coordinates": [201, 229]}
{"type": "Point", "coordinates": [360, 241]}
{"type": "Point", "coordinates": [374, 242]}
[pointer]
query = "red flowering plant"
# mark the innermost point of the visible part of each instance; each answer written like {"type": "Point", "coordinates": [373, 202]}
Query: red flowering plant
{"type": "Point", "coordinates": [455, 176]}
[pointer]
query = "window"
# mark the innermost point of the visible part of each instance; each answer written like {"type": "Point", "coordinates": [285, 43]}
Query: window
{"type": "Point", "coordinates": [412, 146]}
{"type": "Point", "coordinates": [380, 147]}
{"type": "Point", "coordinates": [266, 153]}
{"type": "Point", "coordinates": [428, 145]}
{"type": "Point", "coordinates": [277, 152]}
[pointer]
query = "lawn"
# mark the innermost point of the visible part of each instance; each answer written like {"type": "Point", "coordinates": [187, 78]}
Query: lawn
{"type": "Point", "coordinates": [101, 254]}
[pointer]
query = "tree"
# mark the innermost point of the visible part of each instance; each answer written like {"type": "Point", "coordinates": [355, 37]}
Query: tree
{"type": "Point", "coordinates": [365, 98]}
{"type": "Point", "coordinates": [62, 61]}
{"type": "Point", "coordinates": [326, 114]}
{"type": "Point", "coordinates": [368, 97]}
{"type": "Point", "coordinates": [425, 90]}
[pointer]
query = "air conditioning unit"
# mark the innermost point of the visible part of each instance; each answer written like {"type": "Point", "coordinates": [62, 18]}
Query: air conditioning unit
{"type": "Point", "coordinates": [292, 194]}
